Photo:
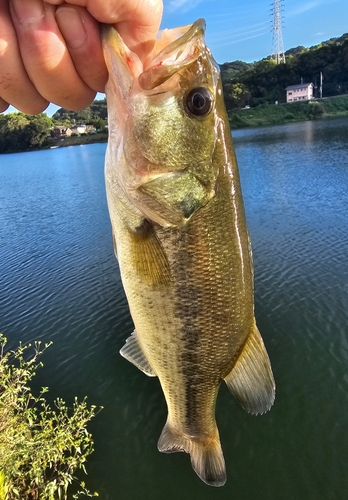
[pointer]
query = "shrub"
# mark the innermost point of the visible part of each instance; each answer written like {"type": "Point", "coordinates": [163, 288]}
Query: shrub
{"type": "Point", "coordinates": [40, 448]}
{"type": "Point", "coordinates": [316, 110]}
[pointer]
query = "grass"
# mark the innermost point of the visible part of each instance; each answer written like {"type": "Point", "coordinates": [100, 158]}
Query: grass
{"type": "Point", "coordinates": [271, 114]}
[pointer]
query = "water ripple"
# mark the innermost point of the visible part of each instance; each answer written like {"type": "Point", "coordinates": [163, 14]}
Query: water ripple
{"type": "Point", "coordinates": [60, 282]}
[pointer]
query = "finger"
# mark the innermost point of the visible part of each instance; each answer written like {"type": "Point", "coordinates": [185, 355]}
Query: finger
{"type": "Point", "coordinates": [3, 105]}
{"type": "Point", "coordinates": [137, 21]}
{"type": "Point", "coordinates": [45, 55]}
{"type": "Point", "coordinates": [15, 86]}
{"type": "Point", "coordinates": [139, 26]}
{"type": "Point", "coordinates": [82, 37]}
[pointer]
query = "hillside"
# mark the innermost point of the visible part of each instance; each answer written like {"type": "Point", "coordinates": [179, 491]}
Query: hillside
{"type": "Point", "coordinates": [264, 82]}
{"type": "Point", "coordinates": [96, 111]}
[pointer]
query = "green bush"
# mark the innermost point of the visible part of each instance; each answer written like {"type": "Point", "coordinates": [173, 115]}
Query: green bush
{"type": "Point", "coordinates": [40, 448]}
{"type": "Point", "coordinates": [316, 110]}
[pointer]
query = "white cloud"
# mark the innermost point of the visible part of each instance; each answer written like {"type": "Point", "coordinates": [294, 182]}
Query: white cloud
{"type": "Point", "coordinates": [305, 7]}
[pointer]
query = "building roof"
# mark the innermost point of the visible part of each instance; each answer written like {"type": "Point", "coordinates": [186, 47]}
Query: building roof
{"type": "Point", "coordinates": [299, 86]}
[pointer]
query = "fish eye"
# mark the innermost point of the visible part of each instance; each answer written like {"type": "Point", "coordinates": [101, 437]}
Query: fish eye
{"type": "Point", "coordinates": [198, 102]}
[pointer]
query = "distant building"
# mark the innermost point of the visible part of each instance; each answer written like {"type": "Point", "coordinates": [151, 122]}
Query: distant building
{"type": "Point", "coordinates": [300, 92]}
{"type": "Point", "coordinates": [79, 129]}
{"type": "Point", "coordinates": [60, 132]}
{"type": "Point", "coordinates": [83, 129]}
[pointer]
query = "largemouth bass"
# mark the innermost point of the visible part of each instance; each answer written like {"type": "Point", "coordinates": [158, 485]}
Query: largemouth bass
{"type": "Point", "coordinates": [181, 239]}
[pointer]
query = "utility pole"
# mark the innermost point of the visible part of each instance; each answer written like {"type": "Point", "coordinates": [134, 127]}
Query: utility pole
{"type": "Point", "coordinates": [278, 54]}
{"type": "Point", "coordinates": [321, 86]}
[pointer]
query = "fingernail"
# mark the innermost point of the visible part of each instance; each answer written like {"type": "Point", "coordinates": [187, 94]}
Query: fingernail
{"type": "Point", "coordinates": [28, 11]}
{"type": "Point", "coordinates": [71, 26]}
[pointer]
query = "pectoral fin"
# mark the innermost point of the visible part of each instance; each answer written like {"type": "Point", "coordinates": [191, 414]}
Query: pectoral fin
{"type": "Point", "coordinates": [251, 379]}
{"type": "Point", "coordinates": [148, 256]}
{"type": "Point", "coordinates": [133, 353]}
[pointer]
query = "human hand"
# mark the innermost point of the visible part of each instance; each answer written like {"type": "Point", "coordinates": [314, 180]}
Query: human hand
{"type": "Point", "coordinates": [50, 50]}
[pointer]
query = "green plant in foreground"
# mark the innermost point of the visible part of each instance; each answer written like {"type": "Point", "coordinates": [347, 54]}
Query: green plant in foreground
{"type": "Point", "coordinates": [40, 448]}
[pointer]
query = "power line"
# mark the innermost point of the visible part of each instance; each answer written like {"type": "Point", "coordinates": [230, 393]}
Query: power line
{"type": "Point", "coordinates": [278, 54]}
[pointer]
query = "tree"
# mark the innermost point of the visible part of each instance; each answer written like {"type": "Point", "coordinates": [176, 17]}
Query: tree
{"type": "Point", "coordinates": [93, 112]}
{"type": "Point", "coordinates": [99, 124]}
{"type": "Point", "coordinates": [237, 95]}
{"type": "Point", "coordinates": [20, 132]}
{"type": "Point", "coordinates": [38, 130]}
{"type": "Point", "coordinates": [12, 137]}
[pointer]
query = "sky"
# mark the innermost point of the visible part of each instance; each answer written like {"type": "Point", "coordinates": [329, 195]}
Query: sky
{"type": "Point", "coordinates": [242, 30]}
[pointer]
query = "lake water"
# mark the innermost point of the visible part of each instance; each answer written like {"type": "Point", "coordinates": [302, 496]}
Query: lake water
{"type": "Point", "coordinates": [60, 282]}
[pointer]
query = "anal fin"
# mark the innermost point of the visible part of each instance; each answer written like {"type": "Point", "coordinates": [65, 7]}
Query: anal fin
{"type": "Point", "coordinates": [134, 354]}
{"type": "Point", "coordinates": [251, 379]}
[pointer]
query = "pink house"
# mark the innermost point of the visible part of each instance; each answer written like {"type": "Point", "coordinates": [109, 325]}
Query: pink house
{"type": "Point", "coordinates": [301, 92]}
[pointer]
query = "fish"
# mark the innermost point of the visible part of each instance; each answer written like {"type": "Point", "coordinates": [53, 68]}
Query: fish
{"type": "Point", "coordinates": [181, 239]}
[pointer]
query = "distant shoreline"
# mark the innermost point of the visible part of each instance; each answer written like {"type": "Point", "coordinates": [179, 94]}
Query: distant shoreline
{"type": "Point", "coordinates": [271, 114]}
{"type": "Point", "coordinates": [77, 140]}
{"type": "Point", "coordinates": [266, 114]}
{"type": "Point", "coordinates": [262, 115]}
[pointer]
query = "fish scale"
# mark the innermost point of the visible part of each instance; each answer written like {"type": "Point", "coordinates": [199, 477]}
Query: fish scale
{"type": "Point", "coordinates": [181, 240]}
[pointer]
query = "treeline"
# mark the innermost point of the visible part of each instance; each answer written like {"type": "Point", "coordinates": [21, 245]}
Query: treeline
{"type": "Point", "coordinates": [96, 111]}
{"type": "Point", "coordinates": [20, 132]}
{"type": "Point", "coordinates": [264, 82]}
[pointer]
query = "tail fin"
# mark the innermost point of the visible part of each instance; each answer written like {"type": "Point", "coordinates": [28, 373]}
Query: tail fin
{"type": "Point", "coordinates": [206, 455]}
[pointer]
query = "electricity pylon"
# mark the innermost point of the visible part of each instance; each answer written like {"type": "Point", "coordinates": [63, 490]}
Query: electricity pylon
{"type": "Point", "coordinates": [277, 24]}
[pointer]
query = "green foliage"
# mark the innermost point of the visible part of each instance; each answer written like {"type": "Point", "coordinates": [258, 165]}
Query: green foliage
{"type": "Point", "coordinates": [230, 70]}
{"type": "Point", "coordinates": [270, 114]}
{"type": "Point", "coordinates": [97, 110]}
{"type": "Point", "coordinates": [40, 448]}
{"type": "Point", "coordinates": [316, 110]}
{"type": "Point", "coordinates": [266, 81]}
{"type": "Point", "coordinates": [3, 486]}
{"type": "Point", "coordinates": [20, 132]}
{"type": "Point", "coordinates": [236, 95]}
{"type": "Point", "coordinates": [99, 124]}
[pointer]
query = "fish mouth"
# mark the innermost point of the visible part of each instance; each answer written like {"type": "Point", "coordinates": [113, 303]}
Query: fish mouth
{"type": "Point", "coordinates": [174, 50]}
{"type": "Point", "coordinates": [171, 43]}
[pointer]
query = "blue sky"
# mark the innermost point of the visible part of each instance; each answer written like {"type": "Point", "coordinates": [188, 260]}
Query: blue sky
{"type": "Point", "coordinates": [242, 30]}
